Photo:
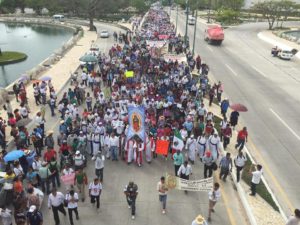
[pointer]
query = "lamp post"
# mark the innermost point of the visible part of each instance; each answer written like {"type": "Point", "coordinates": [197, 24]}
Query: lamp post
{"type": "Point", "coordinates": [195, 31]}
{"type": "Point", "coordinates": [186, 23]}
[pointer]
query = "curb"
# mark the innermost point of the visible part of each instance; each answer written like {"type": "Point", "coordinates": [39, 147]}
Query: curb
{"type": "Point", "coordinates": [269, 40]}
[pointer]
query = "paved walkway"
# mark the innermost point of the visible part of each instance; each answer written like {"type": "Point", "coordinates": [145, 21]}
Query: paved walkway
{"type": "Point", "coordinates": [59, 72]}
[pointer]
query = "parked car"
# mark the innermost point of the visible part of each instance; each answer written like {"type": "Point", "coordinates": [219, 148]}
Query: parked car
{"type": "Point", "coordinates": [283, 53]}
{"type": "Point", "coordinates": [104, 34]}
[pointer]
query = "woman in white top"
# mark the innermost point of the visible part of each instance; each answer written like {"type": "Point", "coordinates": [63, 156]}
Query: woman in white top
{"type": "Point", "coordinates": [18, 170]}
{"type": "Point", "coordinates": [72, 204]}
{"type": "Point", "coordinates": [95, 189]}
{"type": "Point", "coordinates": [214, 195]}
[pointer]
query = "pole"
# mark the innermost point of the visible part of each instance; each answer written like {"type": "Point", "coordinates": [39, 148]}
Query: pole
{"type": "Point", "coordinates": [186, 23]}
{"type": "Point", "coordinates": [195, 31]}
{"type": "Point", "coordinates": [208, 17]}
{"type": "Point", "coordinates": [176, 18]}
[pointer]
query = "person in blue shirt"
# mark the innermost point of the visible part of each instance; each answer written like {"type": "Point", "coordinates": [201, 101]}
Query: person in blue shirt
{"type": "Point", "coordinates": [31, 177]}
{"type": "Point", "coordinates": [189, 125]}
{"type": "Point", "coordinates": [224, 107]}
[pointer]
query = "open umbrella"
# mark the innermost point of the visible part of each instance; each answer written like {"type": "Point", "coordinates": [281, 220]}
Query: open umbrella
{"type": "Point", "coordinates": [88, 58]}
{"type": "Point", "coordinates": [239, 107]}
{"type": "Point", "coordinates": [45, 78]}
{"type": "Point", "coordinates": [23, 78]}
{"type": "Point", "coordinates": [23, 122]}
{"type": "Point", "coordinates": [13, 155]}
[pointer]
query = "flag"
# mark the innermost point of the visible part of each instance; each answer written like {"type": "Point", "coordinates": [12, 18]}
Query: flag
{"type": "Point", "coordinates": [162, 147]}
{"type": "Point", "coordinates": [177, 141]}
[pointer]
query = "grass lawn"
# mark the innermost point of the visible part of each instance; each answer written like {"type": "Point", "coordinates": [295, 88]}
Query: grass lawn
{"type": "Point", "coordinates": [9, 57]}
{"type": "Point", "coordinates": [261, 188]}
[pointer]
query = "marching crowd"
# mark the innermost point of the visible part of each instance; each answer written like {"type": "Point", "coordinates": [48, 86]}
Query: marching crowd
{"type": "Point", "coordinates": [93, 116]}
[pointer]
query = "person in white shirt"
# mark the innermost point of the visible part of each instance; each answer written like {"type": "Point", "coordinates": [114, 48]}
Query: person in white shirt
{"type": "Point", "coordinates": [191, 146]}
{"type": "Point", "coordinates": [72, 204]}
{"type": "Point", "coordinates": [239, 163]}
{"type": "Point", "coordinates": [162, 192]}
{"type": "Point", "coordinates": [95, 189]}
{"type": "Point", "coordinates": [214, 196]}
{"type": "Point", "coordinates": [184, 171]}
{"type": "Point", "coordinates": [56, 202]}
{"type": "Point", "coordinates": [99, 165]}
{"type": "Point", "coordinates": [6, 216]}
{"type": "Point", "coordinates": [256, 176]}
{"type": "Point", "coordinates": [114, 146]}
{"type": "Point", "coordinates": [294, 220]}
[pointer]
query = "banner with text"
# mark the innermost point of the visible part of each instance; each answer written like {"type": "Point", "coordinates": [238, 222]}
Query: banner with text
{"type": "Point", "coordinates": [174, 182]}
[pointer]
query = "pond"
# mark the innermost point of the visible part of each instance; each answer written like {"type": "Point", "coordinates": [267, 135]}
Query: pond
{"type": "Point", "coordinates": [294, 33]}
{"type": "Point", "coordinates": [37, 41]}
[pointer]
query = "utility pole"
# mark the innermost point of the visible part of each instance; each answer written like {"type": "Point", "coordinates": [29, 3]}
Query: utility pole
{"type": "Point", "coordinates": [186, 23]}
{"type": "Point", "coordinates": [176, 18]}
{"type": "Point", "coordinates": [209, 6]}
{"type": "Point", "coordinates": [195, 31]}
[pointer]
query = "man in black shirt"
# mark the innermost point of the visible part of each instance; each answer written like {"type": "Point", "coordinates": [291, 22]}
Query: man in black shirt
{"type": "Point", "coordinates": [131, 192]}
{"type": "Point", "coordinates": [34, 216]}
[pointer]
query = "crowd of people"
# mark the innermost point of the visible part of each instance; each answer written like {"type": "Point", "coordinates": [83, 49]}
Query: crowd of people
{"type": "Point", "coordinates": [93, 126]}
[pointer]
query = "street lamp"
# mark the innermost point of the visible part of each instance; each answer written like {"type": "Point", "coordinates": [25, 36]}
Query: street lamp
{"type": "Point", "coordinates": [186, 24]}
{"type": "Point", "coordinates": [195, 31]}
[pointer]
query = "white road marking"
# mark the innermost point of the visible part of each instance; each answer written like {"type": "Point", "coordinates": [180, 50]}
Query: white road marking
{"type": "Point", "coordinates": [257, 70]}
{"type": "Point", "coordinates": [232, 71]}
{"type": "Point", "coordinates": [210, 49]}
{"type": "Point", "coordinates": [285, 124]}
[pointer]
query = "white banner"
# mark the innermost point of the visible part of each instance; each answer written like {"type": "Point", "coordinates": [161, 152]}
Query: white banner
{"type": "Point", "coordinates": [174, 182]}
{"type": "Point", "coordinates": [157, 44]}
{"type": "Point", "coordinates": [173, 57]}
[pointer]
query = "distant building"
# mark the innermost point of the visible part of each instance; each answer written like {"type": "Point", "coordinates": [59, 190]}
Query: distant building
{"type": "Point", "coordinates": [250, 3]}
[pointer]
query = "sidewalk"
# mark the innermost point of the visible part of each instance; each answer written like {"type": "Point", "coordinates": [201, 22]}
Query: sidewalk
{"type": "Point", "coordinates": [60, 74]}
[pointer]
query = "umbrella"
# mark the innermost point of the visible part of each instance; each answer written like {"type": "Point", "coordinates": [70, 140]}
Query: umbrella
{"type": "Point", "coordinates": [23, 122]}
{"type": "Point", "coordinates": [239, 107]}
{"type": "Point", "coordinates": [23, 78]}
{"type": "Point", "coordinates": [88, 58]}
{"type": "Point", "coordinates": [13, 155]}
{"type": "Point", "coordinates": [46, 78]}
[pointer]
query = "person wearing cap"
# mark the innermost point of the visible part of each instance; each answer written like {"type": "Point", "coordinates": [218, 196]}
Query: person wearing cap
{"type": "Point", "coordinates": [295, 219]}
{"type": "Point", "coordinates": [56, 203]}
{"type": "Point", "coordinates": [162, 192]}
{"type": "Point", "coordinates": [49, 141]}
{"type": "Point", "coordinates": [214, 196]}
{"type": "Point", "coordinates": [82, 141]}
{"type": "Point", "coordinates": [208, 161]}
{"type": "Point", "coordinates": [79, 160]}
{"type": "Point", "coordinates": [34, 216]}
{"type": "Point", "coordinates": [199, 220]}
{"type": "Point", "coordinates": [131, 193]}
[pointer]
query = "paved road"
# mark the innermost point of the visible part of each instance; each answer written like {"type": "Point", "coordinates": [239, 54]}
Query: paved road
{"type": "Point", "coordinates": [269, 87]}
{"type": "Point", "coordinates": [181, 209]}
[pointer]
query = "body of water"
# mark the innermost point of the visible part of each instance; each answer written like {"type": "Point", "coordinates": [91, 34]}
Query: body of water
{"type": "Point", "coordinates": [37, 41]}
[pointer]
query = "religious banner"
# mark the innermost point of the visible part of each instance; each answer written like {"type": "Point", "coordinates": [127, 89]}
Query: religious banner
{"type": "Point", "coordinates": [129, 74]}
{"type": "Point", "coordinates": [162, 147]}
{"type": "Point", "coordinates": [68, 179]}
{"type": "Point", "coordinates": [174, 182]}
{"type": "Point", "coordinates": [173, 57]}
{"type": "Point", "coordinates": [136, 120]}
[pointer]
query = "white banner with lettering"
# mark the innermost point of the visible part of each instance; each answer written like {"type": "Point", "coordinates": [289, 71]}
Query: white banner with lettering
{"type": "Point", "coordinates": [174, 182]}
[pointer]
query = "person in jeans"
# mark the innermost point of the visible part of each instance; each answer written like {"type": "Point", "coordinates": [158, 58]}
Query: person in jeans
{"type": "Point", "coordinates": [239, 163]}
{"type": "Point", "coordinates": [44, 174]}
{"type": "Point", "coordinates": [72, 201]}
{"type": "Point", "coordinates": [56, 202]}
{"type": "Point", "coordinates": [114, 146]}
{"type": "Point", "coordinates": [131, 192]}
{"type": "Point", "coordinates": [95, 189]}
{"type": "Point", "coordinates": [178, 160]}
{"type": "Point", "coordinates": [34, 216]}
{"type": "Point", "coordinates": [226, 166]}
{"type": "Point", "coordinates": [214, 196]}
{"type": "Point", "coordinates": [99, 165]}
{"type": "Point", "coordinates": [256, 176]}
{"type": "Point", "coordinates": [81, 182]}
{"type": "Point", "coordinates": [162, 192]}
{"type": "Point", "coordinates": [242, 138]}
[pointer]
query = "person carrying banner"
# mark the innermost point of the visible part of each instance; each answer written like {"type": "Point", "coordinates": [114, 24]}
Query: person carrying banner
{"type": "Point", "coordinates": [184, 172]}
{"type": "Point", "coordinates": [139, 152]}
{"type": "Point", "coordinates": [178, 161]}
{"type": "Point", "coordinates": [150, 148]}
{"type": "Point", "coordinates": [130, 150]}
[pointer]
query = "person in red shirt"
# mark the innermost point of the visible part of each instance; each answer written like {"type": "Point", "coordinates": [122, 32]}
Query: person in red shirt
{"type": "Point", "coordinates": [49, 154]}
{"type": "Point", "coordinates": [241, 139]}
{"type": "Point", "coordinates": [227, 134]}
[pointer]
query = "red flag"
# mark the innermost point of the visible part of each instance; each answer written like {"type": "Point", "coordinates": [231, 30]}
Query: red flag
{"type": "Point", "coordinates": [162, 147]}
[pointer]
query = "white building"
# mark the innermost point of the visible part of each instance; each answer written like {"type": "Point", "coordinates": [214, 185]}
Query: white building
{"type": "Point", "coordinates": [250, 3]}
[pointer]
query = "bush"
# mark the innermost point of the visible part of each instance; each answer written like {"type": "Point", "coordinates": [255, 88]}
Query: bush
{"type": "Point", "coordinates": [260, 188]}
{"type": "Point", "coordinates": [227, 16]}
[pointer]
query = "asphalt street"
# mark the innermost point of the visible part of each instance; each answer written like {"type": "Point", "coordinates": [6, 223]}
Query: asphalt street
{"type": "Point", "coordinates": [269, 87]}
{"type": "Point", "coordinates": [181, 208]}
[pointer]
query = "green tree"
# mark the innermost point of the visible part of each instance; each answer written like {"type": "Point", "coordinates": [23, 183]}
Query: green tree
{"type": "Point", "coordinates": [36, 5]}
{"type": "Point", "coordinates": [140, 5]}
{"type": "Point", "coordinates": [8, 6]}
